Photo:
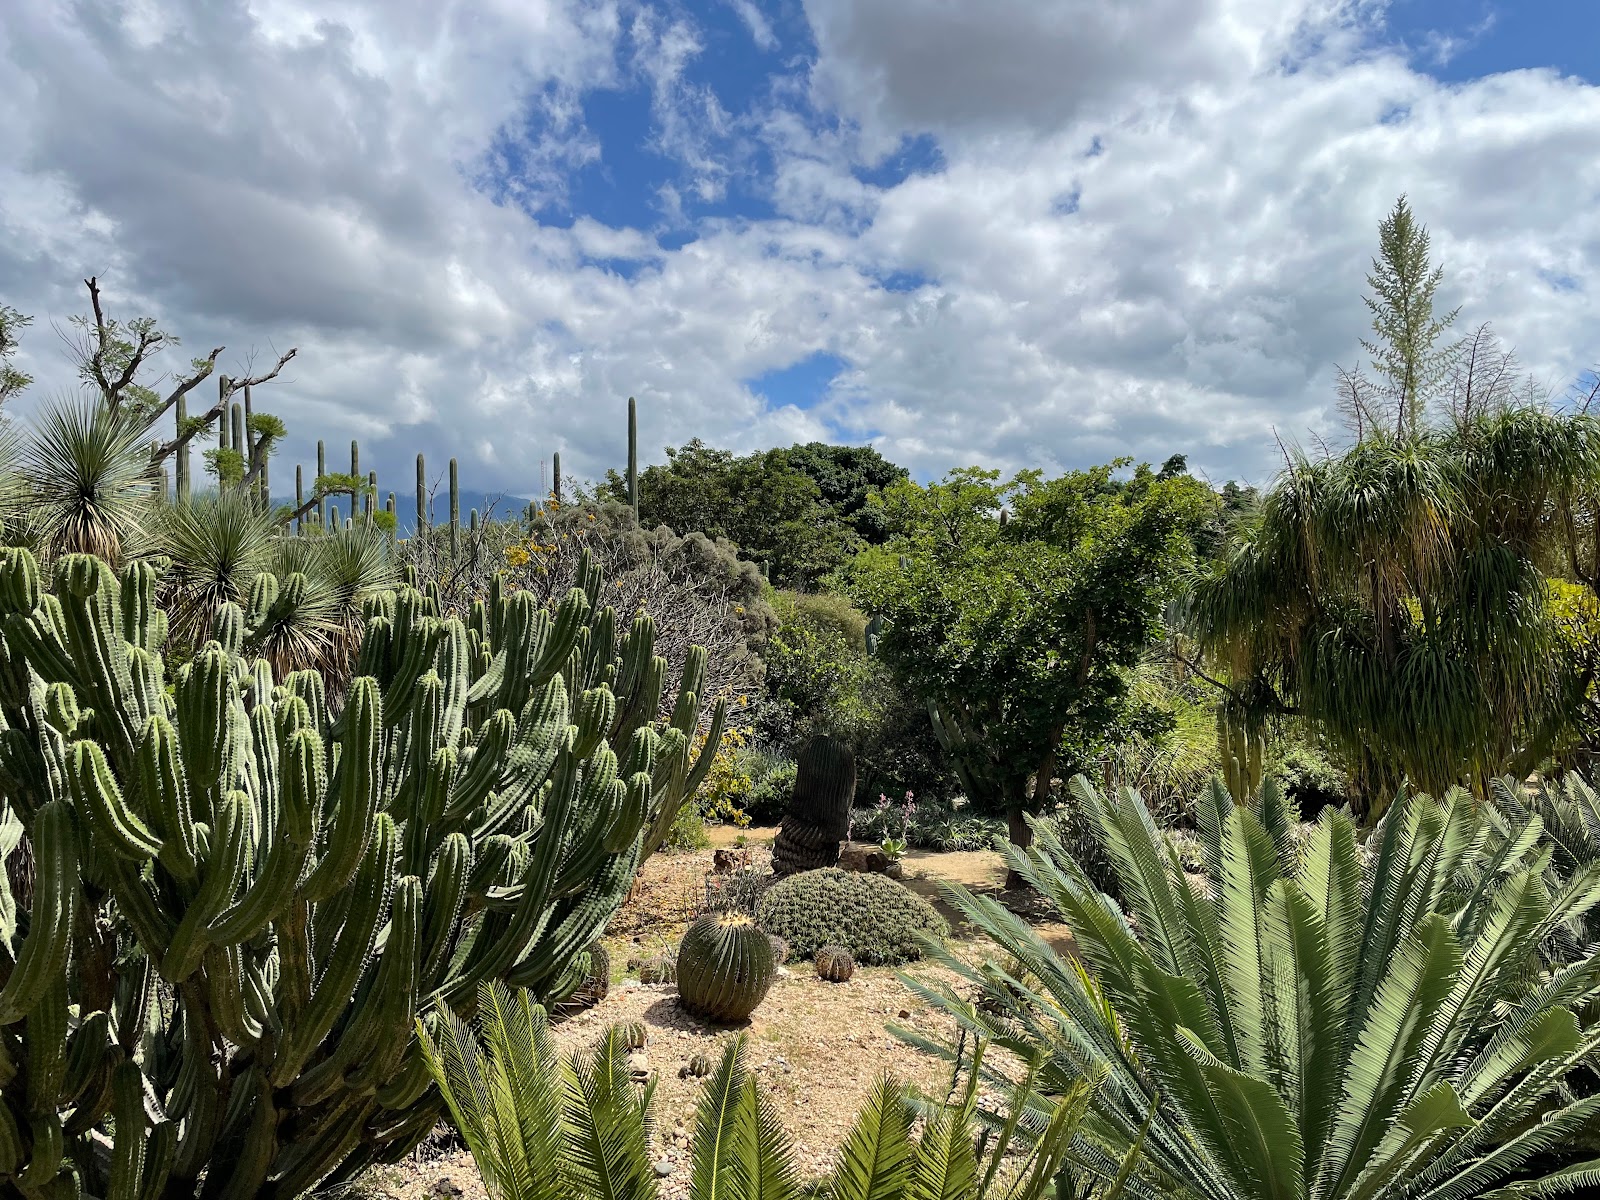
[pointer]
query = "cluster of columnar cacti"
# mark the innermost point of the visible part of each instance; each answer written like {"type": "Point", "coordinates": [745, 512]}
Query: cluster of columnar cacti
{"type": "Point", "coordinates": [725, 966]}
{"type": "Point", "coordinates": [818, 817]}
{"type": "Point", "coordinates": [242, 901]}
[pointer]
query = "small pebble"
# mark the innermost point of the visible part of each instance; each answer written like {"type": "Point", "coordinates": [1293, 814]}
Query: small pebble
{"type": "Point", "coordinates": [663, 1167]}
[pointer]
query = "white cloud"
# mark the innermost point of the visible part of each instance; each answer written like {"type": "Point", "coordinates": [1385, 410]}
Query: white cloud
{"type": "Point", "coordinates": [280, 173]}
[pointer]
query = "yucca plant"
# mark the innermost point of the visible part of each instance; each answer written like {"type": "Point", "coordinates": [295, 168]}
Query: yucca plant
{"type": "Point", "coordinates": [541, 1127]}
{"type": "Point", "coordinates": [91, 486]}
{"type": "Point", "coordinates": [1320, 1019]}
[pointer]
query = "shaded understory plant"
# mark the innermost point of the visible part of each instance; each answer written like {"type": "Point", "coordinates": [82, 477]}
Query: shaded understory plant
{"type": "Point", "coordinates": [544, 1127]}
{"type": "Point", "coordinates": [1322, 1019]}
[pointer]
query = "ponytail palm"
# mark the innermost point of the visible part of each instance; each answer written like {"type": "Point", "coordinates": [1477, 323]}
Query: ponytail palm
{"type": "Point", "coordinates": [1320, 1019]}
{"type": "Point", "coordinates": [543, 1128]}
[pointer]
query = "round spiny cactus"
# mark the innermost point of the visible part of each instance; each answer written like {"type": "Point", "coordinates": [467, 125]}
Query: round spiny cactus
{"type": "Point", "coordinates": [725, 966]}
{"type": "Point", "coordinates": [835, 964]}
{"type": "Point", "coordinates": [594, 985]}
{"type": "Point", "coordinates": [659, 969]}
{"type": "Point", "coordinates": [780, 948]}
{"type": "Point", "coordinates": [701, 1065]}
{"type": "Point", "coordinates": [632, 1034]}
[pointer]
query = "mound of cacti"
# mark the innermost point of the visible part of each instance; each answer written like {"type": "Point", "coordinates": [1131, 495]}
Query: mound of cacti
{"type": "Point", "coordinates": [818, 817]}
{"type": "Point", "coordinates": [876, 919]}
{"type": "Point", "coordinates": [835, 964]}
{"type": "Point", "coordinates": [243, 899]}
{"type": "Point", "coordinates": [725, 966]}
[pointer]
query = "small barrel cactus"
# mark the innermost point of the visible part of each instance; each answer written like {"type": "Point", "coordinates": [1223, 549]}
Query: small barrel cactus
{"type": "Point", "coordinates": [780, 949]}
{"type": "Point", "coordinates": [725, 966]}
{"type": "Point", "coordinates": [835, 964]}
{"type": "Point", "coordinates": [595, 984]}
{"type": "Point", "coordinates": [659, 969]}
{"type": "Point", "coordinates": [632, 1034]}
{"type": "Point", "coordinates": [701, 1065]}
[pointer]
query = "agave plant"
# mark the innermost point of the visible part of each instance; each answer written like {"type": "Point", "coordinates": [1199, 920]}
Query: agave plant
{"type": "Point", "coordinates": [544, 1128]}
{"type": "Point", "coordinates": [1321, 1020]}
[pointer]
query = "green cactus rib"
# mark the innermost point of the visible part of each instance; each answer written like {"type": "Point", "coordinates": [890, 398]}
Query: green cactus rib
{"type": "Point", "coordinates": [44, 953]}
{"type": "Point", "coordinates": [306, 876]}
{"type": "Point", "coordinates": [725, 967]}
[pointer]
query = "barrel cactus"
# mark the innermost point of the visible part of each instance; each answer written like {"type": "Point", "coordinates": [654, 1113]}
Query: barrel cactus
{"type": "Point", "coordinates": [593, 976]}
{"type": "Point", "coordinates": [725, 966]}
{"type": "Point", "coordinates": [835, 964]}
{"type": "Point", "coordinates": [819, 812]}
{"type": "Point", "coordinates": [632, 1034]}
{"type": "Point", "coordinates": [244, 898]}
{"type": "Point", "coordinates": [658, 969]}
{"type": "Point", "coordinates": [701, 1065]}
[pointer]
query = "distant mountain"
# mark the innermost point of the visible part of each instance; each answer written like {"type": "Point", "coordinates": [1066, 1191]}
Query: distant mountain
{"type": "Point", "coordinates": [406, 507]}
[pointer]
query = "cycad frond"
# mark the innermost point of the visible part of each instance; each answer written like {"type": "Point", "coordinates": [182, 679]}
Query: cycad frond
{"type": "Point", "coordinates": [875, 1161]}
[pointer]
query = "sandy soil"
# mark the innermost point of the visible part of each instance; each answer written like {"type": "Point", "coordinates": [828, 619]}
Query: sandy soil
{"type": "Point", "coordinates": [816, 1047]}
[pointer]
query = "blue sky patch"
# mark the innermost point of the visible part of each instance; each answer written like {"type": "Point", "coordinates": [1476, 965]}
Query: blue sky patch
{"type": "Point", "coordinates": [802, 384]}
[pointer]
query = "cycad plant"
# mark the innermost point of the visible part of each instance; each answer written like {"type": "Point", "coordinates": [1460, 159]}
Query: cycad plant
{"type": "Point", "coordinates": [541, 1127]}
{"type": "Point", "coordinates": [1318, 1019]}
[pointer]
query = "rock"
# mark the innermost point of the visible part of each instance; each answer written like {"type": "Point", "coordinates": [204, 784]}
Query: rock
{"type": "Point", "coordinates": [445, 1185]}
{"type": "Point", "coordinates": [904, 1013]}
{"type": "Point", "coordinates": [663, 1167]}
{"type": "Point", "coordinates": [864, 858]}
{"type": "Point", "coordinates": [638, 1065]}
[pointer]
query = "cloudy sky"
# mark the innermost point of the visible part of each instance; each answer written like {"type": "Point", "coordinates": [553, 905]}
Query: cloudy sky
{"type": "Point", "coordinates": [1016, 232]}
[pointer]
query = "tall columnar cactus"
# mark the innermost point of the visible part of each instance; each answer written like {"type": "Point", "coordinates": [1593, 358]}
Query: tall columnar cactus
{"type": "Point", "coordinates": [725, 966]}
{"type": "Point", "coordinates": [455, 510]}
{"type": "Point", "coordinates": [243, 898]}
{"type": "Point", "coordinates": [181, 417]}
{"type": "Point", "coordinates": [555, 478]}
{"type": "Point", "coordinates": [633, 457]}
{"type": "Point", "coordinates": [818, 817]}
{"type": "Point", "coordinates": [322, 469]}
{"type": "Point", "coordinates": [422, 496]}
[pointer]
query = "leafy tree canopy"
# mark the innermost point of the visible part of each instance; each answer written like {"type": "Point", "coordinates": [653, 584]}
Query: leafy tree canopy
{"type": "Point", "coordinates": [801, 510]}
{"type": "Point", "coordinates": [1016, 609]}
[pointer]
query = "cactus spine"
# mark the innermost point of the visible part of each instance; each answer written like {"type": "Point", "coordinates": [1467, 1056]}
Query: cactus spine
{"type": "Point", "coordinates": [725, 966]}
{"type": "Point", "coordinates": [300, 883]}
{"type": "Point", "coordinates": [455, 510]}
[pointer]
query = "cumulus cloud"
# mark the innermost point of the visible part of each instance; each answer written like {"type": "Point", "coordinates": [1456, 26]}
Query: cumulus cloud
{"type": "Point", "coordinates": [1047, 237]}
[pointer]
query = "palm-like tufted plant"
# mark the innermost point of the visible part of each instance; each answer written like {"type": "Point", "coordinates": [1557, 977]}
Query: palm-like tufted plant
{"type": "Point", "coordinates": [1320, 1021]}
{"type": "Point", "coordinates": [243, 898]}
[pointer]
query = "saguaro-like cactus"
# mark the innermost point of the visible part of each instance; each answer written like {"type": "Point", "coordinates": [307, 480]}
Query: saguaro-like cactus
{"type": "Point", "coordinates": [422, 496]}
{"type": "Point", "coordinates": [243, 899]}
{"type": "Point", "coordinates": [455, 510]}
{"type": "Point", "coordinates": [322, 469]}
{"type": "Point", "coordinates": [555, 478]}
{"type": "Point", "coordinates": [633, 457]}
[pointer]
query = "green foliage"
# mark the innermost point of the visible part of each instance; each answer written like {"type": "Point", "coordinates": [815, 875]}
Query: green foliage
{"type": "Point", "coordinates": [90, 484]}
{"type": "Point", "coordinates": [771, 784]}
{"type": "Point", "coordinates": [725, 966]}
{"type": "Point", "coordinates": [878, 920]}
{"type": "Point", "coordinates": [687, 833]}
{"type": "Point", "coordinates": [1021, 635]}
{"type": "Point", "coordinates": [259, 893]}
{"type": "Point", "coordinates": [1319, 1020]}
{"type": "Point", "coordinates": [266, 426]}
{"type": "Point", "coordinates": [802, 511]}
{"type": "Point", "coordinates": [821, 679]}
{"type": "Point", "coordinates": [12, 381]}
{"type": "Point", "coordinates": [541, 1128]}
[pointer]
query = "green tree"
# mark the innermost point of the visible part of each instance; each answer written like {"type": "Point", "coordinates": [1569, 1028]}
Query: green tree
{"type": "Point", "coordinates": [1396, 595]}
{"type": "Point", "coordinates": [802, 511]}
{"type": "Point", "coordinates": [1020, 635]}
